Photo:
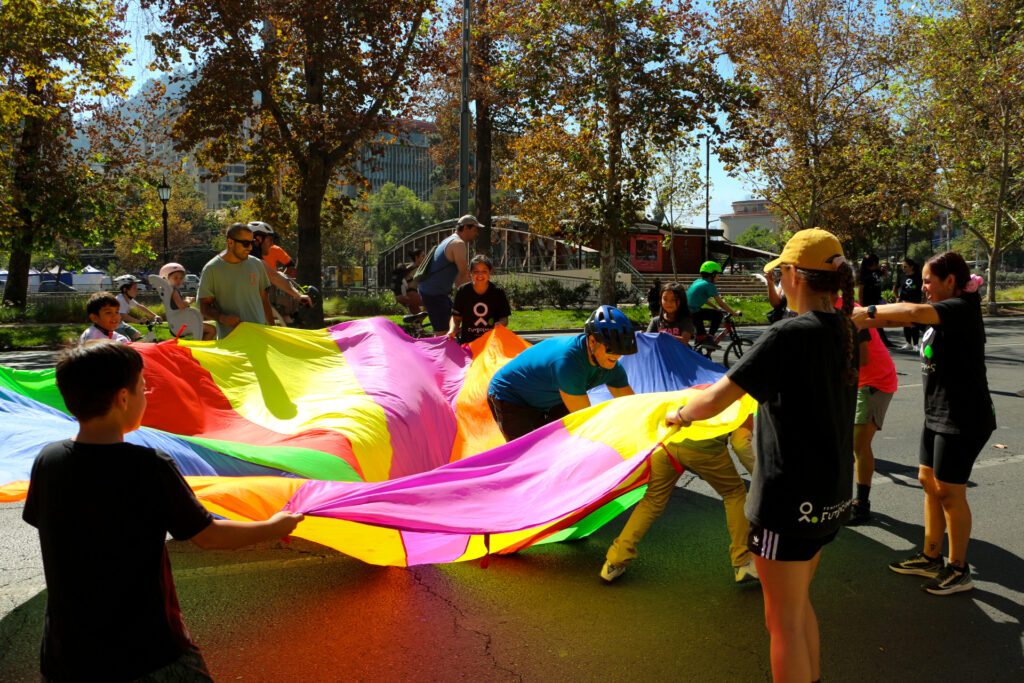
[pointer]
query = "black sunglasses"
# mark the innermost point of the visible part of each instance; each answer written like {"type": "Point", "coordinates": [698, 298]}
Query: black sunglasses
{"type": "Point", "coordinates": [244, 243]}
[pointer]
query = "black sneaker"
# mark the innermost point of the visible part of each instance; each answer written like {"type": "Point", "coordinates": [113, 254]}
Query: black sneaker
{"type": "Point", "coordinates": [919, 564]}
{"type": "Point", "coordinates": [951, 579]}
{"type": "Point", "coordinates": [861, 513]}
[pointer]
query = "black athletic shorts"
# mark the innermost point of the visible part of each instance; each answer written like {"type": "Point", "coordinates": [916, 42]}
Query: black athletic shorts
{"type": "Point", "coordinates": [952, 456]}
{"type": "Point", "coordinates": [772, 546]}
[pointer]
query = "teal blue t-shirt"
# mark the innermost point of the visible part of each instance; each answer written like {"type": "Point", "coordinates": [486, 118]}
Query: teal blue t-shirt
{"type": "Point", "coordinates": [699, 292]}
{"type": "Point", "coordinates": [535, 376]}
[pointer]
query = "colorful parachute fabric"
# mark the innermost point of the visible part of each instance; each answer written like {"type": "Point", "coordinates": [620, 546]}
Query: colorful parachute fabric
{"type": "Point", "coordinates": [385, 443]}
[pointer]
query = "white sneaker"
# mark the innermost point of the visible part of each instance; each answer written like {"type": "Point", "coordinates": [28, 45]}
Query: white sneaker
{"type": "Point", "coordinates": [745, 572]}
{"type": "Point", "coordinates": [907, 347]}
{"type": "Point", "coordinates": [610, 572]}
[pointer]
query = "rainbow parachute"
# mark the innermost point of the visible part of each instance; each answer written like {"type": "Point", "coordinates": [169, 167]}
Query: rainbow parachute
{"type": "Point", "coordinates": [385, 443]}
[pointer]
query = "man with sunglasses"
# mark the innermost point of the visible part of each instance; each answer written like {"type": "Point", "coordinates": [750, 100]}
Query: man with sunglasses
{"type": "Point", "coordinates": [232, 286]}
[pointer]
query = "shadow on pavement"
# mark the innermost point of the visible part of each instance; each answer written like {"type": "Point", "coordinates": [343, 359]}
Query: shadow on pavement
{"type": "Point", "coordinates": [302, 612]}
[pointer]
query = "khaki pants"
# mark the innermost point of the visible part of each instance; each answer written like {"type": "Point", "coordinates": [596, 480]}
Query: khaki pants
{"type": "Point", "coordinates": [717, 470]}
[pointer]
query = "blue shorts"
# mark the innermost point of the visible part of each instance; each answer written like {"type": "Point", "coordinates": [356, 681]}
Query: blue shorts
{"type": "Point", "coordinates": [772, 546]}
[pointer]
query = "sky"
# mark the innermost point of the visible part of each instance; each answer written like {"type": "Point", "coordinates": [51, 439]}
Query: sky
{"type": "Point", "coordinates": [724, 188]}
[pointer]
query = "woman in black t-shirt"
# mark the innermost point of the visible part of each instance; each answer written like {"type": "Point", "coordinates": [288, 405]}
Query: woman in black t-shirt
{"type": "Point", "coordinates": [803, 373]}
{"type": "Point", "coordinates": [958, 412]}
{"type": "Point", "coordinates": [908, 290]}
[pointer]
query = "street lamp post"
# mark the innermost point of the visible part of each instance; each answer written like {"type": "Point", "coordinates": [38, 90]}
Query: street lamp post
{"type": "Point", "coordinates": [707, 197]}
{"type": "Point", "coordinates": [163, 190]}
{"type": "Point", "coordinates": [367, 248]}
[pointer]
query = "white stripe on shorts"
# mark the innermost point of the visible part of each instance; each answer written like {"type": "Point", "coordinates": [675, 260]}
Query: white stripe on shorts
{"type": "Point", "coordinates": [771, 543]}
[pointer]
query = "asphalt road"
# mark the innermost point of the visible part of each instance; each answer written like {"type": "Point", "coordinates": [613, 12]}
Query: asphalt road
{"type": "Point", "coordinates": [301, 612]}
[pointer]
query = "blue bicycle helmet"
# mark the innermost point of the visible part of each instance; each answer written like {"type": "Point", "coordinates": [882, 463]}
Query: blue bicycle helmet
{"type": "Point", "coordinates": [613, 329]}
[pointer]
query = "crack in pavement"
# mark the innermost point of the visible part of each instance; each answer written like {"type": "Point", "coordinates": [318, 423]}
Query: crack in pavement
{"type": "Point", "coordinates": [460, 615]}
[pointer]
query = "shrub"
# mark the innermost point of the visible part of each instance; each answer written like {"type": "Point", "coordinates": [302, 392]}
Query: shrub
{"type": "Point", "coordinates": [362, 306]}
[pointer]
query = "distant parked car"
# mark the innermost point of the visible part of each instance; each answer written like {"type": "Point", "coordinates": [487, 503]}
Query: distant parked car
{"type": "Point", "coordinates": [55, 286]}
{"type": "Point", "coordinates": [191, 281]}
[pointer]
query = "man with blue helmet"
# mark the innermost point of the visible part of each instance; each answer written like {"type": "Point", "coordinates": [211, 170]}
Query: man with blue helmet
{"type": "Point", "coordinates": [550, 380]}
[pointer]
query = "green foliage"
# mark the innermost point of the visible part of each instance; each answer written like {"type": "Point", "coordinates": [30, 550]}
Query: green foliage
{"type": "Point", "coordinates": [60, 59]}
{"type": "Point", "coordinates": [762, 238]}
{"type": "Point", "coordinates": [967, 85]}
{"type": "Point", "coordinates": [366, 306]}
{"type": "Point", "coordinates": [523, 294]}
{"type": "Point", "coordinates": [603, 84]}
{"type": "Point", "coordinates": [332, 77]}
{"type": "Point", "coordinates": [821, 134]}
{"type": "Point", "coordinates": [393, 213]}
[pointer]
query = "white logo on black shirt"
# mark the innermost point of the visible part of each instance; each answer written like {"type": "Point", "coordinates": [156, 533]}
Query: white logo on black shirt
{"type": "Point", "coordinates": [480, 310]}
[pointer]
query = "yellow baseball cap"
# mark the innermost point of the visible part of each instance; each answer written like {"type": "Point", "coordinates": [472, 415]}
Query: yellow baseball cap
{"type": "Point", "coordinates": [811, 249]}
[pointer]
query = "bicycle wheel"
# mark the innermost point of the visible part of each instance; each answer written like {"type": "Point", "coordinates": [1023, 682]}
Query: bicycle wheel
{"type": "Point", "coordinates": [736, 350]}
{"type": "Point", "coordinates": [704, 350]}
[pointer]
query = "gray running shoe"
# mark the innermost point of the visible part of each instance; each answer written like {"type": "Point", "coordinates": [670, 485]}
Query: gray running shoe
{"type": "Point", "coordinates": [919, 564]}
{"type": "Point", "coordinates": [951, 579]}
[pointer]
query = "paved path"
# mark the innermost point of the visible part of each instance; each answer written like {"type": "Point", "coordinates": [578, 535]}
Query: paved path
{"type": "Point", "coordinates": [303, 612]}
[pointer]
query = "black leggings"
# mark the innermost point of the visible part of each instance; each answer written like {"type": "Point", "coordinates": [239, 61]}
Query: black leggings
{"type": "Point", "coordinates": [912, 333]}
{"type": "Point", "coordinates": [712, 315]}
{"type": "Point", "coordinates": [516, 420]}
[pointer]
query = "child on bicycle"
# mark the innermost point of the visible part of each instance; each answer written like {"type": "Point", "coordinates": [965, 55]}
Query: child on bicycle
{"type": "Point", "coordinates": [129, 288]}
{"type": "Point", "coordinates": [698, 294]}
{"type": "Point", "coordinates": [674, 318]}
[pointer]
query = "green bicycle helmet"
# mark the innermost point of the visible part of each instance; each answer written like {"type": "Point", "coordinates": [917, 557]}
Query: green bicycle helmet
{"type": "Point", "coordinates": [710, 267]}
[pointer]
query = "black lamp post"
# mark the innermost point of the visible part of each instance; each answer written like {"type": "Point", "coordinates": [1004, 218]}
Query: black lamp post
{"type": "Point", "coordinates": [367, 248]}
{"type": "Point", "coordinates": [707, 197]}
{"type": "Point", "coordinates": [163, 190]}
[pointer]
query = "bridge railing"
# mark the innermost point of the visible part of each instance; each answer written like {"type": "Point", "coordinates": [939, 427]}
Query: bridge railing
{"type": "Point", "coordinates": [512, 250]}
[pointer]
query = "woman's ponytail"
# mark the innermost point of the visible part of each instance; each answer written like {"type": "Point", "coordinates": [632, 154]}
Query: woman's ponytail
{"type": "Point", "coordinates": [846, 288]}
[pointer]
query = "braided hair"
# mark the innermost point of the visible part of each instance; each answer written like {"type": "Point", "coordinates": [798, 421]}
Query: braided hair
{"type": "Point", "coordinates": [840, 280]}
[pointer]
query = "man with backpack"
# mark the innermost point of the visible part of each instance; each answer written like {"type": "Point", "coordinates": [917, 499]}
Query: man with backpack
{"type": "Point", "coordinates": [446, 265]}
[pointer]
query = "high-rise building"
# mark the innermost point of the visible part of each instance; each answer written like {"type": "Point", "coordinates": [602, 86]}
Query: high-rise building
{"type": "Point", "coordinates": [402, 159]}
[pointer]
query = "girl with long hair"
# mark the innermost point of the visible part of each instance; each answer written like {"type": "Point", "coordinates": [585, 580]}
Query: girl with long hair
{"type": "Point", "coordinates": [803, 373]}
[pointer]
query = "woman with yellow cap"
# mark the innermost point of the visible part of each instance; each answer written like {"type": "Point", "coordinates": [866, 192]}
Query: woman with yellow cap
{"type": "Point", "coordinates": [803, 373]}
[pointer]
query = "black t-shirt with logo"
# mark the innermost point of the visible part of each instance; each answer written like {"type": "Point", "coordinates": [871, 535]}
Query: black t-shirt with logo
{"type": "Point", "coordinates": [910, 288]}
{"type": "Point", "coordinates": [479, 312]}
{"type": "Point", "coordinates": [956, 396]}
{"type": "Point", "coordinates": [110, 613]}
{"type": "Point", "coordinates": [803, 476]}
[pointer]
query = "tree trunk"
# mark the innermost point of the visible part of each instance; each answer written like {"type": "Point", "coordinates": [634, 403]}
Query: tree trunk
{"type": "Point", "coordinates": [484, 131]}
{"type": "Point", "coordinates": [997, 246]}
{"type": "Point", "coordinates": [606, 289]}
{"type": "Point", "coordinates": [309, 207]}
{"type": "Point", "coordinates": [613, 222]}
{"type": "Point", "coordinates": [16, 291]}
{"type": "Point", "coordinates": [482, 245]}
{"type": "Point", "coordinates": [24, 195]}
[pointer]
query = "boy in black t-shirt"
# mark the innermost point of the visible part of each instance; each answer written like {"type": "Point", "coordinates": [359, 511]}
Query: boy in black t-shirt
{"type": "Point", "coordinates": [118, 619]}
